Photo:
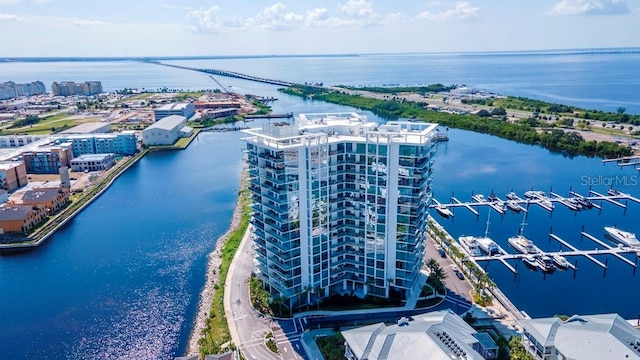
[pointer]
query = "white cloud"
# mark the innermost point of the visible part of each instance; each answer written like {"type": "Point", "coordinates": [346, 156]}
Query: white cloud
{"type": "Point", "coordinates": [8, 17]}
{"type": "Point", "coordinates": [359, 9]}
{"type": "Point", "coordinates": [168, 6]}
{"type": "Point", "coordinates": [462, 11]}
{"type": "Point", "coordinates": [84, 22]}
{"type": "Point", "coordinates": [278, 17]}
{"type": "Point", "coordinates": [590, 7]}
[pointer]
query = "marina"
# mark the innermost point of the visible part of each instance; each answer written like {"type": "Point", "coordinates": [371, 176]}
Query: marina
{"type": "Point", "coordinates": [575, 201]}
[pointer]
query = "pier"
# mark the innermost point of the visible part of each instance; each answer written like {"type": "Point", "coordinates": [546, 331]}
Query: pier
{"type": "Point", "coordinates": [614, 196]}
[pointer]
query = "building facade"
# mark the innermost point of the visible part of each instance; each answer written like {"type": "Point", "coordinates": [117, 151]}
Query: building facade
{"type": "Point", "coordinates": [93, 162]}
{"type": "Point", "coordinates": [183, 109]}
{"type": "Point", "coordinates": [10, 90]}
{"type": "Point", "coordinates": [339, 205]}
{"type": "Point", "coordinates": [124, 143]}
{"type": "Point", "coordinates": [70, 88]}
{"type": "Point", "coordinates": [47, 160]}
{"type": "Point", "coordinates": [13, 175]}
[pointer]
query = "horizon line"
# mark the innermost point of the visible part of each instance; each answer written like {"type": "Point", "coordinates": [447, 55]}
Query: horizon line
{"type": "Point", "coordinates": [567, 51]}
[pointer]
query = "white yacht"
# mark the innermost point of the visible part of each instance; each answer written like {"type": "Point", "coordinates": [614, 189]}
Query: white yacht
{"type": "Point", "coordinates": [470, 244]}
{"type": "Point", "coordinates": [545, 263]}
{"type": "Point", "coordinates": [479, 198]}
{"type": "Point", "coordinates": [522, 244]}
{"type": "Point", "coordinates": [512, 196]}
{"type": "Point", "coordinates": [534, 194]}
{"type": "Point", "coordinates": [443, 210]}
{"type": "Point", "coordinates": [624, 237]}
{"type": "Point", "coordinates": [513, 205]}
{"type": "Point", "coordinates": [560, 261]}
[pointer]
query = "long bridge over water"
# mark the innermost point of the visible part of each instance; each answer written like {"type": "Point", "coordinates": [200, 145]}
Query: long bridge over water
{"type": "Point", "coordinates": [226, 73]}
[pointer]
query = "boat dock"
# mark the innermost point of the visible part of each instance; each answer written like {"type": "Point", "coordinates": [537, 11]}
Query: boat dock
{"type": "Point", "coordinates": [608, 247]}
{"type": "Point", "coordinates": [614, 197]}
{"type": "Point", "coordinates": [576, 251]}
{"type": "Point", "coordinates": [622, 160]}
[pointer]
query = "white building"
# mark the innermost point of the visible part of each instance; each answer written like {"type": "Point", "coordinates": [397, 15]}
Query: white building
{"type": "Point", "coordinates": [340, 205]}
{"type": "Point", "coordinates": [183, 109]}
{"type": "Point", "coordinates": [605, 336]}
{"type": "Point", "coordinates": [89, 128]}
{"type": "Point", "coordinates": [439, 335]}
{"type": "Point", "coordinates": [93, 162]}
{"type": "Point", "coordinates": [165, 131]}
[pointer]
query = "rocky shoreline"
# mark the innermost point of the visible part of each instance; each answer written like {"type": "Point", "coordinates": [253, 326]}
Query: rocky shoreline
{"type": "Point", "coordinates": [211, 279]}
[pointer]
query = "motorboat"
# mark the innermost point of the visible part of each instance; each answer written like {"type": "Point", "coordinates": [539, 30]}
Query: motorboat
{"type": "Point", "coordinates": [545, 263]}
{"type": "Point", "coordinates": [470, 244]}
{"type": "Point", "coordinates": [530, 260]}
{"type": "Point", "coordinates": [513, 205]}
{"type": "Point", "coordinates": [586, 203]}
{"type": "Point", "coordinates": [624, 237]}
{"type": "Point", "coordinates": [512, 196]}
{"type": "Point", "coordinates": [487, 245]}
{"type": "Point", "coordinates": [479, 198]}
{"type": "Point", "coordinates": [560, 261]}
{"type": "Point", "coordinates": [444, 211]}
{"type": "Point", "coordinates": [523, 245]}
{"type": "Point", "coordinates": [534, 194]}
{"type": "Point", "coordinates": [575, 203]}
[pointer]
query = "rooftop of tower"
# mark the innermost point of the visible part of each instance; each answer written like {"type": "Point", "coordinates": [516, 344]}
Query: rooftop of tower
{"type": "Point", "coordinates": [327, 128]}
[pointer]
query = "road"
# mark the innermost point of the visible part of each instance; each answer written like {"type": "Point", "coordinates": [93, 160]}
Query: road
{"type": "Point", "coordinates": [248, 327]}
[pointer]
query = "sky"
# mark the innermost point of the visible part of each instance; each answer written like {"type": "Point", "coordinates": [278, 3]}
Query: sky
{"type": "Point", "coordinates": [60, 28]}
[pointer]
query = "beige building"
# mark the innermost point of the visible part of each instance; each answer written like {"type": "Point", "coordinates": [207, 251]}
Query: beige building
{"type": "Point", "coordinates": [12, 175]}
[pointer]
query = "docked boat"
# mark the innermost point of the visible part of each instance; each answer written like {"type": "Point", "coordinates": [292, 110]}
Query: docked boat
{"type": "Point", "coordinates": [470, 245]}
{"type": "Point", "coordinates": [513, 205]}
{"type": "Point", "coordinates": [443, 211]}
{"type": "Point", "coordinates": [530, 260]}
{"type": "Point", "coordinates": [586, 203]}
{"type": "Point", "coordinates": [624, 237]}
{"type": "Point", "coordinates": [534, 194]}
{"type": "Point", "coordinates": [479, 198]}
{"type": "Point", "coordinates": [522, 244]}
{"type": "Point", "coordinates": [545, 263]}
{"type": "Point", "coordinates": [487, 245]}
{"type": "Point", "coordinates": [512, 196]}
{"type": "Point", "coordinates": [560, 261]}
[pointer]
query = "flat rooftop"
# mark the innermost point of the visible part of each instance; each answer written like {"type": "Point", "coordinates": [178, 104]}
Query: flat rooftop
{"type": "Point", "coordinates": [312, 129]}
{"type": "Point", "coordinates": [92, 157]}
{"type": "Point", "coordinates": [87, 128]}
{"type": "Point", "coordinates": [173, 107]}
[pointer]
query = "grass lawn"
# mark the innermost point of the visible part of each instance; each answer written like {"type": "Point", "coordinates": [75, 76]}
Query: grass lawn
{"type": "Point", "coordinates": [331, 347]}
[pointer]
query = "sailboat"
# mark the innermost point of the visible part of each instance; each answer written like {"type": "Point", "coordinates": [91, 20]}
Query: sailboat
{"type": "Point", "coordinates": [521, 243]}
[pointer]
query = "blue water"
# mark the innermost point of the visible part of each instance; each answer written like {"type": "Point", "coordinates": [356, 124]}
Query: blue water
{"type": "Point", "coordinates": [122, 279]}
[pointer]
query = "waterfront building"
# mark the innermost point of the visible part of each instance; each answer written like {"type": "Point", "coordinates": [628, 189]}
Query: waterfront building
{"type": "Point", "coordinates": [339, 205]}
{"type": "Point", "coordinates": [93, 162]}
{"type": "Point", "coordinates": [51, 199]}
{"type": "Point", "coordinates": [604, 336]}
{"type": "Point", "coordinates": [166, 131]}
{"type": "Point", "coordinates": [70, 88]}
{"type": "Point", "coordinates": [13, 175]}
{"type": "Point", "coordinates": [186, 109]}
{"type": "Point", "coordinates": [219, 104]}
{"type": "Point", "coordinates": [20, 218]}
{"type": "Point", "coordinates": [439, 335]}
{"type": "Point", "coordinates": [47, 159]}
{"type": "Point", "coordinates": [10, 90]}
{"type": "Point", "coordinates": [124, 143]}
